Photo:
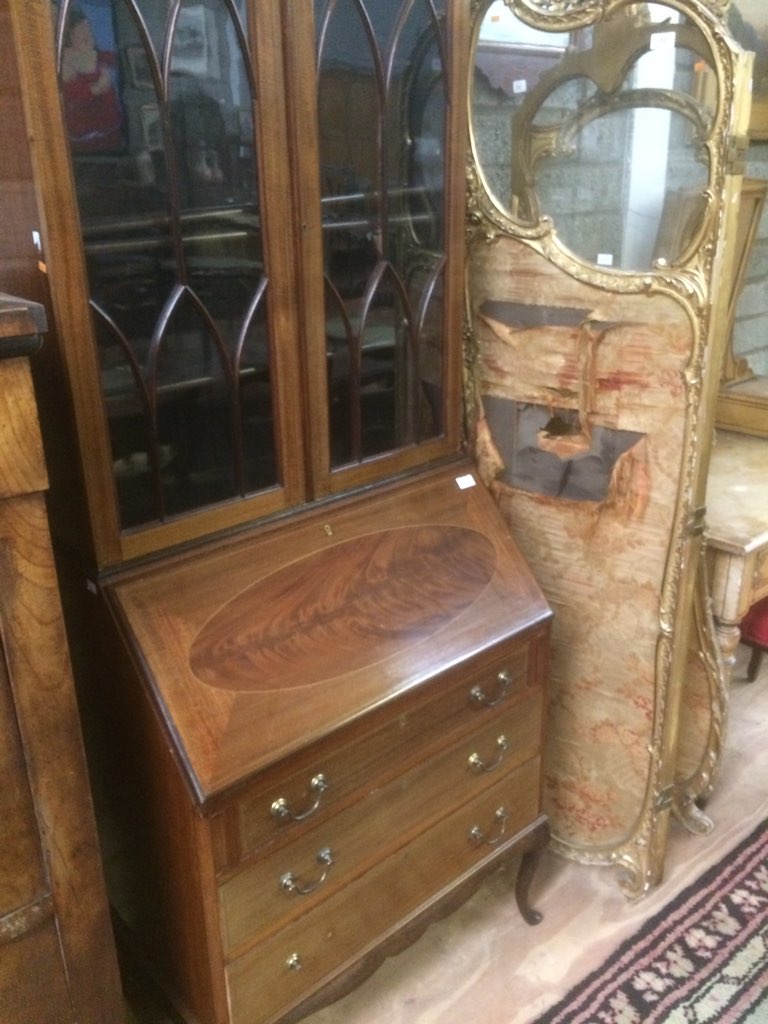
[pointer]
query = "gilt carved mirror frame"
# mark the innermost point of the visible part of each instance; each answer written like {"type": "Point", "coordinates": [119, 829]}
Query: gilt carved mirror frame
{"type": "Point", "coordinates": [526, 284]}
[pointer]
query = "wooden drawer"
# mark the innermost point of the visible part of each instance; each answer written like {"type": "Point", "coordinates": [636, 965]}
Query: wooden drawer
{"type": "Point", "coordinates": [279, 973]}
{"type": "Point", "coordinates": [254, 903]}
{"type": "Point", "coordinates": [395, 737]}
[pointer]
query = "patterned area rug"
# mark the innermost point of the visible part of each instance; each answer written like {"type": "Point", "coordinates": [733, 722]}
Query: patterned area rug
{"type": "Point", "coordinates": [703, 959]}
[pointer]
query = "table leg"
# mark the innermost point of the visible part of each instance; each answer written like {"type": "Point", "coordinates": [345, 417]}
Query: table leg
{"type": "Point", "coordinates": [526, 871]}
{"type": "Point", "coordinates": [728, 635]}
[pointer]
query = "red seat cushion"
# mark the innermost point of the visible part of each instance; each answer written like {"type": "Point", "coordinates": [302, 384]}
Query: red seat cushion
{"type": "Point", "coordinates": [754, 625]}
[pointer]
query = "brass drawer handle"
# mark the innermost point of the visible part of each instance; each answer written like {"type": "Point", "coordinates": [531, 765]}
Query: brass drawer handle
{"type": "Point", "coordinates": [477, 764]}
{"type": "Point", "coordinates": [480, 699]}
{"type": "Point", "coordinates": [283, 813]}
{"type": "Point", "coordinates": [478, 837]}
{"type": "Point", "coordinates": [290, 884]}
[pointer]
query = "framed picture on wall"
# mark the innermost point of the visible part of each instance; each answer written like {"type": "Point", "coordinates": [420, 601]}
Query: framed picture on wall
{"type": "Point", "coordinates": [90, 80]}
{"type": "Point", "coordinates": [748, 21]}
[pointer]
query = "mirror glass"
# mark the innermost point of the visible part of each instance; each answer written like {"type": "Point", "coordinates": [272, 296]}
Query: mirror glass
{"type": "Point", "coordinates": [603, 130]}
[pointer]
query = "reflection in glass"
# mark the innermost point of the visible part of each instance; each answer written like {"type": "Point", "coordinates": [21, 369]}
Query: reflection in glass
{"type": "Point", "coordinates": [622, 224]}
{"type": "Point", "coordinates": [510, 60]}
{"type": "Point", "coordinates": [158, 102]}
{"type": "Point", "coordinates": [603, 131]}
{"type": "Point", "coordinates": [381, 108]}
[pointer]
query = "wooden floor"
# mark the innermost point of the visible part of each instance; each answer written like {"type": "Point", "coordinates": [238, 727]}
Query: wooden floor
{"type": "Point", "coordinates": [485, 964]}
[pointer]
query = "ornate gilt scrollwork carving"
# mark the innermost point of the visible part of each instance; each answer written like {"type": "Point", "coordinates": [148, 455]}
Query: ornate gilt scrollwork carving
{"type": "Point", "coordinates": [574, 11]}
{"type": "Point", "coordinates": [689, 280]}
{"type": "Point", "coordinates": [550, 12]}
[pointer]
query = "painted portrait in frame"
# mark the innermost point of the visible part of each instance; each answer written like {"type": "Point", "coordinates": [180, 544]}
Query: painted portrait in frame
{"type": "Point", "coordinates": [90, 79]}
{"type": "Point", "coordinates": [748, 21]}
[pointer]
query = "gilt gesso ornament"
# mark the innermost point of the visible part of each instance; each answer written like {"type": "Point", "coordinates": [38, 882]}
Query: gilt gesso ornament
{"type": "Point", "coordinates": [607, 147]}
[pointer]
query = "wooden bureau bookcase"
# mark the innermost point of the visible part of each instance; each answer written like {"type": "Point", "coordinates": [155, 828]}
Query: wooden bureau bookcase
{"type": "Point", "coordinates": [288, 595]}
{"type": "Point", "coordinates": [340, 726]}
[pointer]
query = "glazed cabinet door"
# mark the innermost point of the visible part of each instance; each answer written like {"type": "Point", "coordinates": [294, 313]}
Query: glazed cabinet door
{"type": "Point", "coordinates": [170, 258]}
{"type": "Point", "coordinates": [382, 206]}
{"type": "Point", "coordinates": [250, 248]}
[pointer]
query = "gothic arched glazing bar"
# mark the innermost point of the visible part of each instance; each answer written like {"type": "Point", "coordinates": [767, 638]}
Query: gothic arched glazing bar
{"type": "Point", "coordinates": [382, 166]}
{"type": "Point", "coordinates": [159, 105]}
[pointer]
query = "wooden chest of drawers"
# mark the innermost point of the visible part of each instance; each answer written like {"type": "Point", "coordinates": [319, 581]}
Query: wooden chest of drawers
{"type": "Point", "coordinates": [334, 731]}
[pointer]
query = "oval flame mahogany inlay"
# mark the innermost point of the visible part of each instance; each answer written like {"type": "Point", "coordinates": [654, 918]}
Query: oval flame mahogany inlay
{"type": "Point", "coordinates": [343, 608]}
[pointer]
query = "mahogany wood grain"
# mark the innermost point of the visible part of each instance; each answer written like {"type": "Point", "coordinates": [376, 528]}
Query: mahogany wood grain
{"type": "Point", "coordinates": [389, 746]}
{"type": "Point", "coordinates": [222, 731]}
{"type": "Point", "coordinates": [389, 818]}
{"type": "Point", "coordinates": [354, 603]}
{"type": "Point", "coordinates": [531, 842]}
{"type": "Point", "coordinates": [392, 728]}
{"type": "Point", "coordinates": [364, 913]}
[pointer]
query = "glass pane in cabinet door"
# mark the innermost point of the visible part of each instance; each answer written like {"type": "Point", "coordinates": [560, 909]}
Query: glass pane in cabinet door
{"type": "Point", "coordinates": [382, 86]}
{"type": "Point", "coordinates": [159, 110]}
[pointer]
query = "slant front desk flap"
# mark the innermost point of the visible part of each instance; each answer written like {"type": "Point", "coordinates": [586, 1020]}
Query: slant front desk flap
{"type": "Point", "coordinates": [256, 646]}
